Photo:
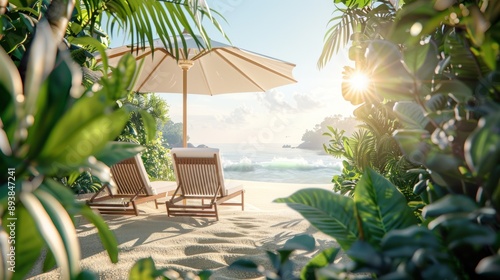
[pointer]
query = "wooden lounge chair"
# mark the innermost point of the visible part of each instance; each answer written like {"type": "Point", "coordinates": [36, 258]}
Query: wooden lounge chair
{"type": "Point", "coordinates": [200, 178]}
{"type": "Point", "coordinates": [132, 187]}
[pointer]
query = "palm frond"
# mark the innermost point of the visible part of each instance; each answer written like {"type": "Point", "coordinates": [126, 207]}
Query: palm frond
{"type": "Point", "coordinates": [143, 19]}
{"type": "Point", "coordinates": [338, 36]}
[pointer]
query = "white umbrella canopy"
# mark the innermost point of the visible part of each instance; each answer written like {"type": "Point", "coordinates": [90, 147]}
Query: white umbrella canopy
{"type": "Point", "coordinates": [219, 70]}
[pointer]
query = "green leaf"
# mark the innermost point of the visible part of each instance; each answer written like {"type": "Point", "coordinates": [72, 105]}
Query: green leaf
{"type": "Point", "coordinates": [91, 137]}
{"type": "Point", "coordinates": [330, 213]}
{"type": "Point", "coordinates": [381, 207]}
{"type": "Point", "coordinates": [143, 269]}
{"type": "Point", "coordinates": [364, 253]}
{"type": "Point", "coordinates": [421, 60]}
{"type": "Point", "coordinates": [107, 237]}
{"type": "Point", "coordinates": [11, 89]}
{"type": "Point", "coordinates": [464, 232]}
{"type": "Point", "coordinates": [114, 152]}
{"type": "Point", "coordinates": [300, 242]}
{"type": "Point", "coordinates": [323, 259]}
{"type": "Point", "coordinates": [54, 97]}
{"type": "Point", "coordinates": [411, 115]}
{"type": "Point", "coordinates": [149, 125]}
{"type": "Point", "coordinates": [411, 142]}
{"type": "Point", "coordinates": [404, 243]}
{"type": "Point", "coordinates": [449, 204]}
{"type": "Point", "coordinates": [482, 147]}
{"type": "Point", "coordinates": [455, 89]}
{"type": "Point", "coordinates": [437, 102]}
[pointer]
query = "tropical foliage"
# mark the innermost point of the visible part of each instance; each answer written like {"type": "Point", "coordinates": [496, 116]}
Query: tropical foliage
{"type": "Point", "coordinates": [148, 113]}
{"type": "Point", "coordinates": [53, 126]}
{"type": "Point", "coordinates": [436, 64]}
{"type": "Point", "coordinates": [372, 145]}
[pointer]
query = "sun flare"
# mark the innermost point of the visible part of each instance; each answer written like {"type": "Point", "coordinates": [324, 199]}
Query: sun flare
{"type": "Point", "coordinates": [359, 82]}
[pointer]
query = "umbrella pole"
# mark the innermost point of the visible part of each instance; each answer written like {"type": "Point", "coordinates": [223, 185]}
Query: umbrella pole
{"type": "Point", "coordinates": [184, 107]}
{"type": "Point", "coordinates": [185, 65]}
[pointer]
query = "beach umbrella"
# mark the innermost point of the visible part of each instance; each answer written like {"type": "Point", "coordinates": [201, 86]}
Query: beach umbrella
{"type": "Point", "coordinates": [221, 69]}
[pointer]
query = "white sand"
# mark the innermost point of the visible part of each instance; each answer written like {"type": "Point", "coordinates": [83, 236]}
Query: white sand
{"type": "Point", "coordinates": [191, 244]}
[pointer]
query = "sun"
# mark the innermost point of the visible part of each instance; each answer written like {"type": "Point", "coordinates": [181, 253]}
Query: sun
{"type": "Point", "coordinates": [359, 82]}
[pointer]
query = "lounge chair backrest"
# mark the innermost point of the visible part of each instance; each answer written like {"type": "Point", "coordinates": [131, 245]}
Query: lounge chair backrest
{"type": "Point", "coordinates": [198, 171]}
{"type": "Point", "coordinates": [130, 175]}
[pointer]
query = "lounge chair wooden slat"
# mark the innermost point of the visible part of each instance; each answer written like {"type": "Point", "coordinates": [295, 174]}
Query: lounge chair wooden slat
{"type": "Point", "coordinates": [200, 178]}
{"type": "Point", "coordinates": [132, 188]}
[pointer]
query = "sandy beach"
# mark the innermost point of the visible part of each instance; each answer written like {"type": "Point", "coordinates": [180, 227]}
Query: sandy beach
{"type": "Point", "coordinates": [188, 244]}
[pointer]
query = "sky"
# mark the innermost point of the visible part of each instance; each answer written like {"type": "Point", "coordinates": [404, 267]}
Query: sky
{"type": "Point", "coordinates": [292, 31]}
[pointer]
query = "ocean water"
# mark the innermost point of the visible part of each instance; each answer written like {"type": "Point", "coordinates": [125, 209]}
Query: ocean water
{"type": "Point", "coordinates": [273, 163]}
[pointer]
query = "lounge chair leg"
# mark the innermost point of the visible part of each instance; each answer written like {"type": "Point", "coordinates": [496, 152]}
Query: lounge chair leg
{"type": "Point", "coordinates": [135, 208]}
{"type": "Point", "coordinates": [243, 201]}
{"type": "Point", "coordinates": [216, 212]}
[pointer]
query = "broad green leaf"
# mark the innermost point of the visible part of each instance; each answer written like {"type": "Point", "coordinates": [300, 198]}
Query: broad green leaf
{"type": "Point", "coordinates": [411, 142]}
{"type": "Point", "coordinates": [149, 125]}
{"type": "Point", "coordinates": [463, 232]}
{"type": "Point", "coordinates": [482, 147]}
{"type": "Point", "coordinates": [436, 102]}
{"type": "Point", "coordinates": [330, 213]}
{"type": "Point", "coordinates": [73, 121]}
{"type": "Point", "coordinates": [489, 52]}
{"type": "Point", "coordinates": [365, 253]}
{"type": "Point", "coordinates": [450, 204]}
{"type": "Point", "coordinates": [55, 94]}
{"type": "Point", "coordinates": [300, 242]}
{"type": "Point", "coordinates": [404, 242]}
{"type": "Point", "coordinates": [114, 152]}
{"type": "Point", "coordinates": [323, 259]}
{"type": "Point", "coordinates": [381, 207]}
{"type": "Point", "coordinates": [107, 237]}
{"type": "Point", "coordinates": [421, 60]}
{"type": "Point", "coordinates": [124, 77]}
{"type": "Point", "coordinates": [143, 269]}
{"type": "Point", "coordinates": [42, 57]}
{"type": "Point", "coordinates": [464, 63]}
{"type": "Point", "coordinates": [411, 115]}
{"type": "Point", "coordinates": [48, 231]}
{"type": "Point", "coordinates": [11, 89]}
{"type": "Point", "coordinates": [455, 89]}
{"type": "Point", "coordinates": [90, 138]}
